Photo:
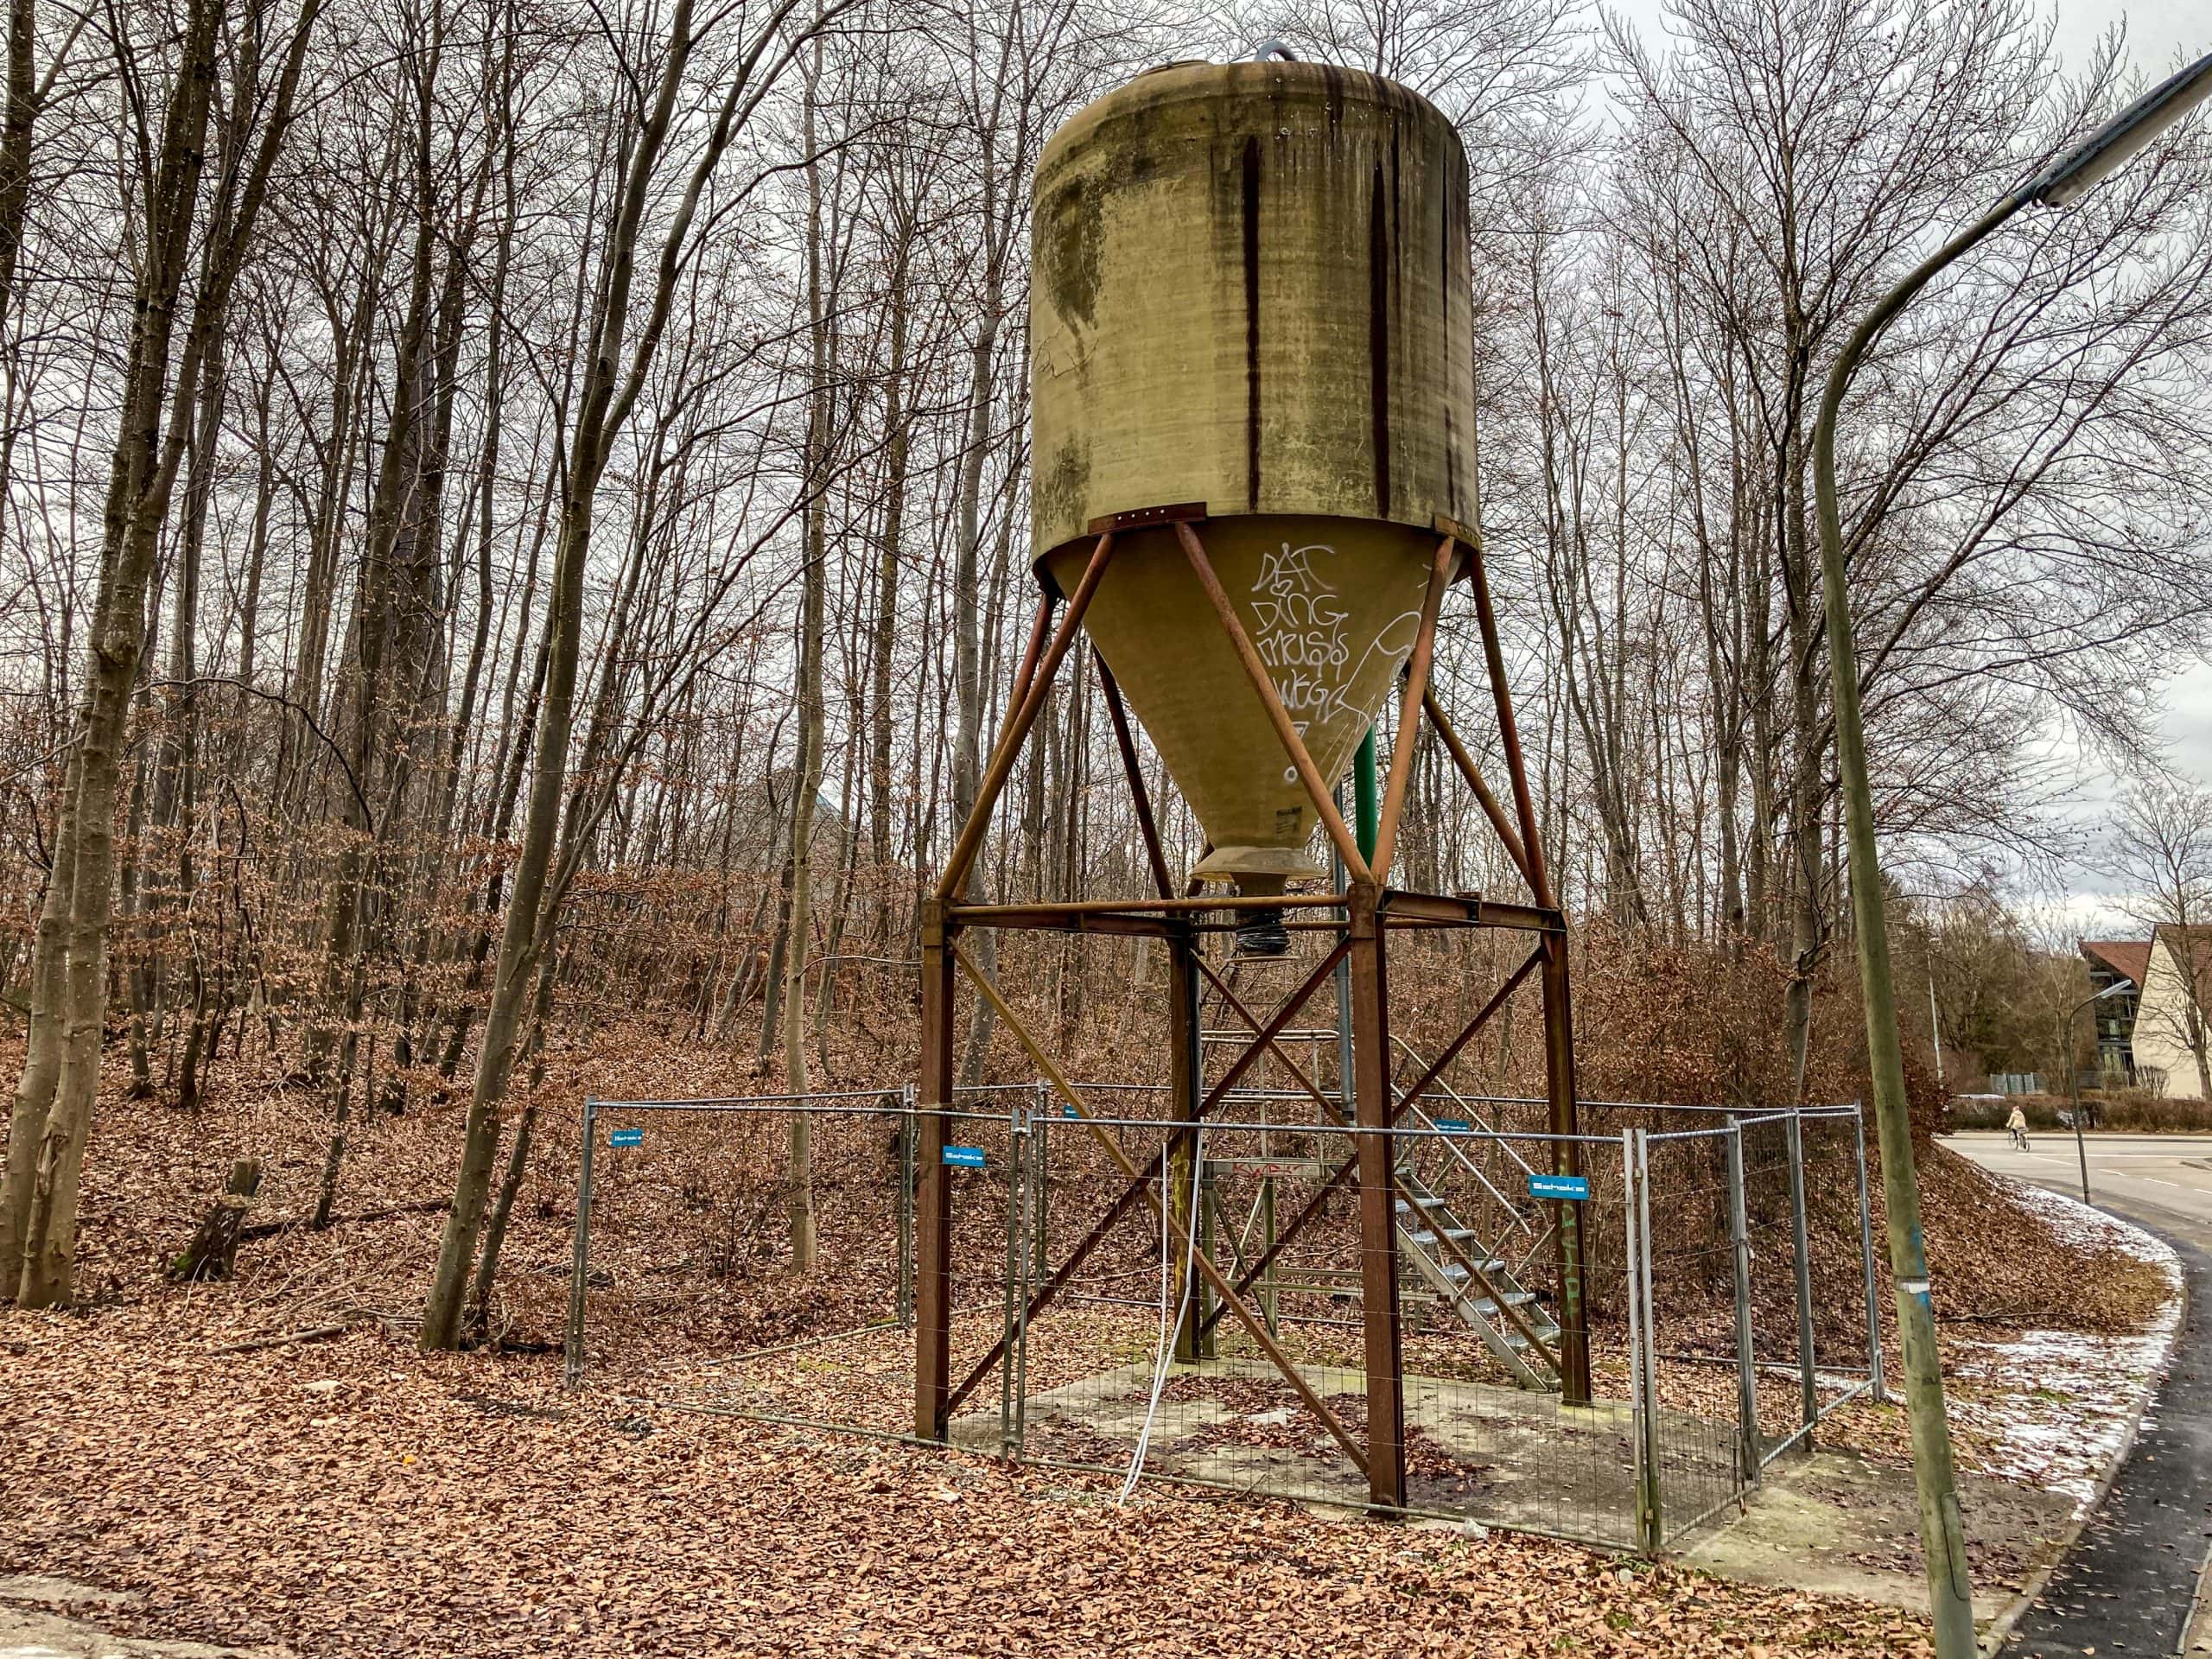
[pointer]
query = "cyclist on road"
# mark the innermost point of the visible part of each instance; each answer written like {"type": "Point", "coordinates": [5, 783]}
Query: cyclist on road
{"type": "Point", "coordinates": [2017, 1126]}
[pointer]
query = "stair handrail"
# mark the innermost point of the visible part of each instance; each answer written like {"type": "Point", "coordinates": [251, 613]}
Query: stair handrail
{"type": "Point", "coordinates": [1467, 1163]}
{"type": "Point", "coordinates": [1511, 1311]}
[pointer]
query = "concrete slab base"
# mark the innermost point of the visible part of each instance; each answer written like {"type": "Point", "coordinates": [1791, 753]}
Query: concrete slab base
{"type": "Point", "coordinates": [33, 1625]}
{"type": "Point", "coordinates": [1832, 1521]}
{"type": "Point", "coordinates": [1500, 1457]}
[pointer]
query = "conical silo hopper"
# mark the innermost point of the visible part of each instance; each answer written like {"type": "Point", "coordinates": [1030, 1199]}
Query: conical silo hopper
{"type": "Point", "coordinates": [1252, 290]}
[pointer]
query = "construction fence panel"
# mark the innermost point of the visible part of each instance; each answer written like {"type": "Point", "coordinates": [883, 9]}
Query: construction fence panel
{"type": "Point", "coordinates": [1147, 1297]}
{"type": "Point", "coordinates": [1805, 1219]}
{"type": "Point", "coordinates": [689, 1285]}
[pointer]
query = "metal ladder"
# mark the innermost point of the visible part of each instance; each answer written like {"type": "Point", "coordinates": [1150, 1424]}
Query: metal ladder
{"type": "Point", "coordinates": [1479, 1288]}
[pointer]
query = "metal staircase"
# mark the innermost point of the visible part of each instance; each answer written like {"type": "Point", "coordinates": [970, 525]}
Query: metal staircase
{"type": "Point", "coordinates": [1479, 1288]}
{"type": "Point", "coordinates": [1468, 1276]}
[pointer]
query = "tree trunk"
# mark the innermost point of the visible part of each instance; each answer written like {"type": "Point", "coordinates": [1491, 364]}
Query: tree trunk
{"type": "Point", "coordinates": [799, 1174]}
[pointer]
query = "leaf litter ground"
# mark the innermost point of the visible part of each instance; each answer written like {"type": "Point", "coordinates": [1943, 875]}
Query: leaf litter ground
{"type": "Point", "coordinates": [354, 1496]}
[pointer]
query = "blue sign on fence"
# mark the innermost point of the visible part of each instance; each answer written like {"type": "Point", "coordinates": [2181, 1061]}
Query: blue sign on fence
{"type": "Point", "coordinates": [1455, 1126]}
{"type": "Point", "coordinates": [964, 1157]}
{"type": "Point", "coordinates": [1574, 1188]}
{"type": "Point", "coordinates": [626, 1138]}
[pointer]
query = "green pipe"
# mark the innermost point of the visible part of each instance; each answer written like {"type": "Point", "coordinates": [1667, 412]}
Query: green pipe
{"type": "Point", "coordinates": [1367, 803]}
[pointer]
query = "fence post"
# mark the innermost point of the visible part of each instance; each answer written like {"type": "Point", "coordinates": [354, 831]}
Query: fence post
{"type": "Point", "coordinates": [1017, 1257]}
{"type": "Point", "coordinates": [1040, 1200]}
{"type": "Point", "coordinates": [1809, 1382]}
{"type": "Point", "coordinates": [1747, 1376]}
{"type": "Point", "coordinates": [1269, 1302]}
{"type": "Point", "coordinates": [1208, 1203]}
{"type": "Point", "coordinates": [1879, 1393]}
{"type": "Point", "coordinates": [1642, 1384]}
{"type": "Point", "coordinates": [907, 1130]}
{"type": "Point", "coordinates": [572, 1357]}
{"type": "Point", "coordinates": [933, 1188]}
{"type": "Point", "coordinates": [1032, 1265]}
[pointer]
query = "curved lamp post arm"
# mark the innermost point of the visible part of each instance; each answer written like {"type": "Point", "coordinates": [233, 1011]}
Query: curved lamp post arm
{"type": "Point", "coordinates": [2074, 1074]}
{"type": "Point", "coordinates": [1943, 1537]}
{"type": "Point", "coordinates": [1950, 1590]}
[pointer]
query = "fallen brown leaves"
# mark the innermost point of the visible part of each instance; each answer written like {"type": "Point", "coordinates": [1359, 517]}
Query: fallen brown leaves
{"type": "Point", "coordinates": [352, 1497]}
{"type": "Point", "coordinates": [358, 1498]}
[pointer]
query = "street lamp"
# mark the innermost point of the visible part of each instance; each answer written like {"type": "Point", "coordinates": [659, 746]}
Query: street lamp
{"type": "Point", "coordinates": [1943, 1541]}
{"type": "Point", "coordinates": [2080, 1146]}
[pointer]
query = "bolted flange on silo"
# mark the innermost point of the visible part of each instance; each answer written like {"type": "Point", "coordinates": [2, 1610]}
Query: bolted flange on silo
{"type": "Point", "coordinates": [1251, 289]}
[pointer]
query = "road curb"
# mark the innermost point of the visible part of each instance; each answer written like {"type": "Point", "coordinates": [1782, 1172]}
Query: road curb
{"type": "Point", "coordinates": [2000, 1626]}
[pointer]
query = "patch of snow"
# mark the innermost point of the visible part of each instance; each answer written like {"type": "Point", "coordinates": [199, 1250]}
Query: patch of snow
{"type": "Point", "coordinates": [2051, 1407]}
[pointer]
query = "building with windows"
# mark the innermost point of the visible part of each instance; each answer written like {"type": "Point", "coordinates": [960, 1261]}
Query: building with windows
{"type": "Point", "coordinates": [2116, 962]}
{"type": "Point", "coordinates": [2156, 1035]}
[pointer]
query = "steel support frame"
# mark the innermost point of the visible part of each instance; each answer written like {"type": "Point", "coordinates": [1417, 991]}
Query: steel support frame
{"type": "Point", "coordinates": [1370, 912]}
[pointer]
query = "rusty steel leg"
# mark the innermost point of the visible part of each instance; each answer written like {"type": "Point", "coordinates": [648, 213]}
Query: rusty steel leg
{"type": "Point", "coordinates": [1185, 1081]}
{"type": "Point", "coordinates": [932, 1186]}
{"type": "Point", "coordinates": [1416, 688]}
{"type": "Point", "coordinates": [1567, 1160]}
{"type": "Point", "coordinates": [1378, 1229]}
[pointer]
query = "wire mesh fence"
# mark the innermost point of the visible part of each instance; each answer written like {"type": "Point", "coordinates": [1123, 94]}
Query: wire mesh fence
{"type": "Point", "coordinates": [1189, 1302]}
{"type": "Point", "coordinates": [1808, 1291]}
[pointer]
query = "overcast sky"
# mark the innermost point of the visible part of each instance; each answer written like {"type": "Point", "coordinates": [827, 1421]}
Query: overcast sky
{"type": "Point", "coordinates": [2161, 35]}
{"type": "Point", "coordinates": [2158, 30]}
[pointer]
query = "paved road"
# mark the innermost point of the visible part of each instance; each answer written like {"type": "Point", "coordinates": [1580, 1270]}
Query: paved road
{"type": "Point", "coordinates": [2127, 1585]}
{"type": "Point", "coordinates": [2170, 1173]}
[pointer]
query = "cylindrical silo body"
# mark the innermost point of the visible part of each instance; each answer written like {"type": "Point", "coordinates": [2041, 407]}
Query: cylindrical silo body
{"type": "Point", "coordinates": [1252, 290]}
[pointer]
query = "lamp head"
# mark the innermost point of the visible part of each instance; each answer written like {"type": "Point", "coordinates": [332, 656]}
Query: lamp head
{"type": "Point", "coordinates": [2122, 138]}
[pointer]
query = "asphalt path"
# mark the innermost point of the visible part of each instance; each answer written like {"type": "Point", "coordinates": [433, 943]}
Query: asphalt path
{"type": "Point", "coordinates": [2129, 1584]}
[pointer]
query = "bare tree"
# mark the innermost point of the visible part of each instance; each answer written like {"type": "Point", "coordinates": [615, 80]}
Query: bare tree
{"type": "Point", "coordinates": [2162, 845]}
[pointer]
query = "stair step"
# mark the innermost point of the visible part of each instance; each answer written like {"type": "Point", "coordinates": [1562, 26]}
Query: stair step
{"type": "Point", "coordinates": [1426, 1236]}
{"type": "Point", "coordinates": [1491, 1269]}
{"type": "Point", "coordinates": [1488, 1306]}
{"type": "Point", "coordinates": [1547, 1334]}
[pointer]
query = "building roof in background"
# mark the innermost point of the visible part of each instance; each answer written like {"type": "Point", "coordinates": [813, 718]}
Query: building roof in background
{"type": "Point", "coordinates": [2129, 958]}
{"type": "Point", "coordinates": [2198, 941]}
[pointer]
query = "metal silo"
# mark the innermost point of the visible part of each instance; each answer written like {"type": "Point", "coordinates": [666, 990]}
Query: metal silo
{"type": "Point", "coordinates": [1252, 301]}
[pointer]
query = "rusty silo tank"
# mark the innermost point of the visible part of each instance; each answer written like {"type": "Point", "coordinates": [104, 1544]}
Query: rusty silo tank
{"type": "Point", "coordinates": [1252, 291]}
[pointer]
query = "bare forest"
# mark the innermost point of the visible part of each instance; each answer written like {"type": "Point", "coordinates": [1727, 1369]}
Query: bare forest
{"type": "Point", "coordinates": [514, 532]}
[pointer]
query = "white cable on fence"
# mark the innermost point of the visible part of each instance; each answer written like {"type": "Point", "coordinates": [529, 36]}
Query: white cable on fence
{"type": "Point", "coordinates": [1165, 1343]}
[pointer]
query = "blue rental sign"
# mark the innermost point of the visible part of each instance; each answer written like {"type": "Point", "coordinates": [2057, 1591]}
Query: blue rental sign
{"type": "Point", "coordinates": [626, 1138]}
{"type": "Point", "coordinates": [964, 1157]}
{"type": "Point", "coordinates": [1455, 1126]}
{"type": "Point", "coordinates": [1574, 1188]}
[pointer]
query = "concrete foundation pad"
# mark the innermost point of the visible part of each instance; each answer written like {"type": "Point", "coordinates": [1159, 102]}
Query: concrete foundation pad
{"type": "Point", "coordinates": [1500, 1457]}
{"type": "Point", "coordinates": [1834, 1523]}
{"type": "Point", "coordinates": [32, 1627]}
